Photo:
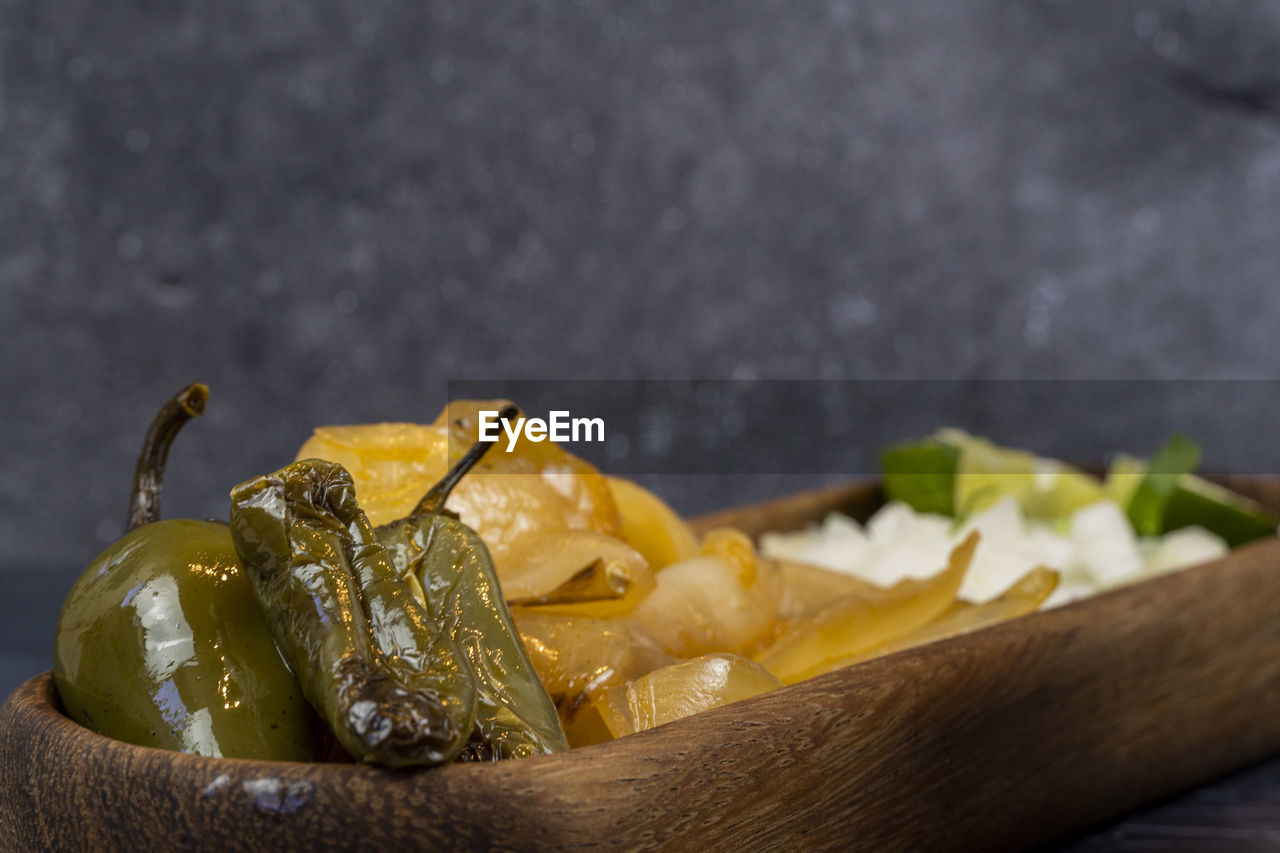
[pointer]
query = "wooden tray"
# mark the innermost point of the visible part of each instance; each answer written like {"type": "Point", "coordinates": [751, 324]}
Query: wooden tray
{"type": "Point", "coordinates": [998, 739]}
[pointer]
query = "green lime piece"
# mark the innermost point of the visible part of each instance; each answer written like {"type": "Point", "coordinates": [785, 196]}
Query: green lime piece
{"type": "Point", "coordinates": [1146, 507]}
{"type": "Point", "coordinates": [921, 475]}
{"type": "Point", "coordinates": [1124, 475]}
{"type": "Point", "coordinates": [1045, 488]}
{"type": "Point", "coordinates": [1060, 490]}
{"type": "Point", "coordinates": [1235, 518]}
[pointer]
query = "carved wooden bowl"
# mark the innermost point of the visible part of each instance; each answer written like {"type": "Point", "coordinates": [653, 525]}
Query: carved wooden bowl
{"type": "Point", "coordinates": [1000, 738]}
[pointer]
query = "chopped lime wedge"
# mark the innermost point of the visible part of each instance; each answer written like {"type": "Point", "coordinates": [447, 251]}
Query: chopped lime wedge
{"type": "Point", "coordinates": [1123, 476]}
{"type": "Point", "coordinates": [987, 473]}
{"type": "Point", "coordinates": [1044, 488]}
{"type": "Point", "coordinates": [921, 476]}
{"type": "Point", "coordinates": [1233, 517]}
{"type": "Point", "coordinates": [1062, 491]}
{"type": "Point", "coordinates": [1146, 507]}
{"type": "Point", "coordinates": [957, 474]}
{"type": "Point", "coordinates": [1194, 502]}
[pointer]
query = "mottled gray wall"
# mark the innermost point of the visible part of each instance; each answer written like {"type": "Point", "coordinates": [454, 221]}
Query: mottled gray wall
{"type": "Point", "coordinates": [327, 209]}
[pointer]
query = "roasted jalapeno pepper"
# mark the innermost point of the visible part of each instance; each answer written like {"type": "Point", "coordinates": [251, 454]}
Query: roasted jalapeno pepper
{"type": "Point", "coordinates": [161, 642]}
{"type": "Point", "coordinates": [386, 677]}
{"type": "Point", "coordinates": [514, 716]}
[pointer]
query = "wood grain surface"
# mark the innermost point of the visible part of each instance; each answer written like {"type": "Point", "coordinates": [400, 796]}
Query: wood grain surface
{"type": "Point", "coordinates": [994, 740]}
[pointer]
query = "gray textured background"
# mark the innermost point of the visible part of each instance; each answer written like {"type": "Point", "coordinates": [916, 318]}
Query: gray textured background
{"type": "Point", "coordinates": [327, 209]}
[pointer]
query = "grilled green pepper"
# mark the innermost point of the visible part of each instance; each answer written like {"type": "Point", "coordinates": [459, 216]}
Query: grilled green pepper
{"type": "Point", "coordinates": [172, 638]}
{"type": "Point", "coordinates": [514, 717]}
{"type": "Point", "coordinates": [161, 643]}
{"type": "Point", "coordinates": [387, 679]}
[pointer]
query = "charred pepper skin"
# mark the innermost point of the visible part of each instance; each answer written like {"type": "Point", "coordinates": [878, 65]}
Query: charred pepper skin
{"type": "Point", "coordinates": [515, 718]}
{"type": "Point", "coordinates": [384, 675]}
{"type": "Point", "coordinates": [160, 641]}
{"type": "Point", "coordinates": [450, 565]}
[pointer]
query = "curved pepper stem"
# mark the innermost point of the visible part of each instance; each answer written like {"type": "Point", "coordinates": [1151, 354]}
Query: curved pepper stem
{"type": "Point", "coordinates": [148, 476]}
{"type": "Point", "coordinates": [433, 501]}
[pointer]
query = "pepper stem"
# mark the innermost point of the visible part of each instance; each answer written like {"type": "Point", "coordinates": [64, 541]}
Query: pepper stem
{"type": "Point", "coordinates": [148, 476]}
{"type": "Point", "coordinates": [433, 500]}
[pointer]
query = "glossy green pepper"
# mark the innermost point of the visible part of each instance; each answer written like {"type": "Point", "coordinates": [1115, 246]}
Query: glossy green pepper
{"type": "Point", "coordinates": [515, 716]}
{"type": "Point", "coordinates": [161, 642]}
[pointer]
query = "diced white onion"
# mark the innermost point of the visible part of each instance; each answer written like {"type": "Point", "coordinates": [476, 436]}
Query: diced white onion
{"type": "Point", "coordinates": [1096, 550]}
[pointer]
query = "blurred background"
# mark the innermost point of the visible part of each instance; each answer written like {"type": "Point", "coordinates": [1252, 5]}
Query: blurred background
{"type": "Point", "coordinates": [329, 210]}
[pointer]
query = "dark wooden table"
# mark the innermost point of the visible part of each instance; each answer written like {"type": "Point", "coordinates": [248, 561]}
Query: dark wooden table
{"type": "Point", "coordinates": [1237, 812]}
